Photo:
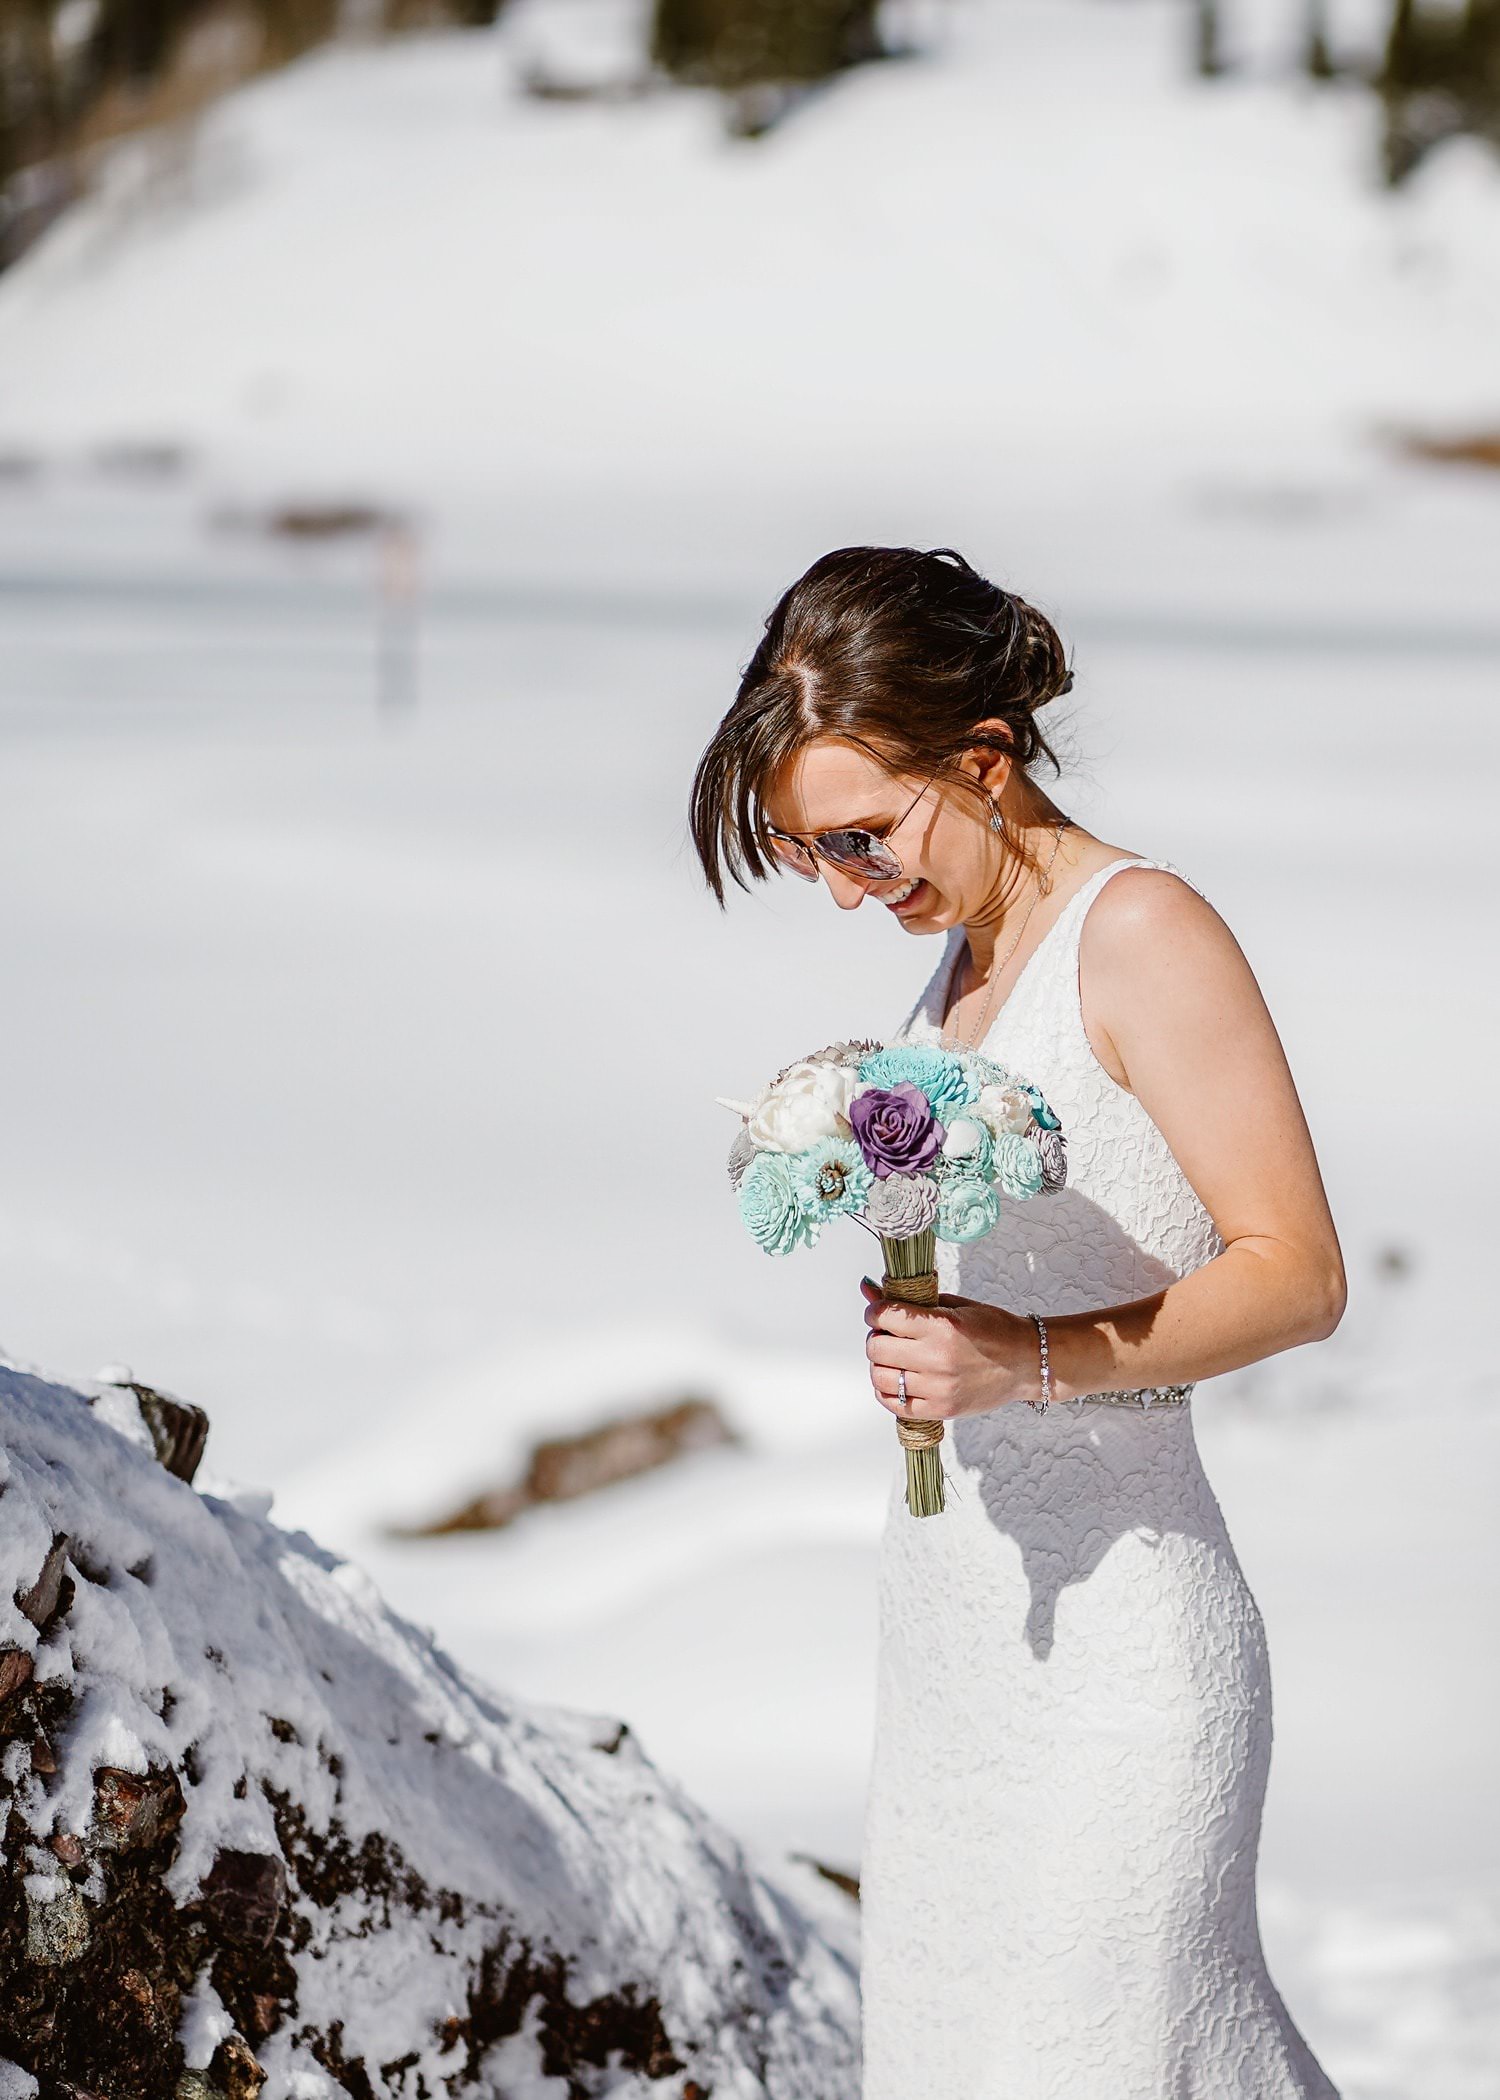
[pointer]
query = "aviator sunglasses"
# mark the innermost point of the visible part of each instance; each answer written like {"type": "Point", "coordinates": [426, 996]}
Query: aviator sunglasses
{"type": "Point", "coordinates": [855, 850]}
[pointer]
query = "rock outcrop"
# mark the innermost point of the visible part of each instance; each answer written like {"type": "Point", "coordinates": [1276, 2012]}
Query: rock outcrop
{"type": "Point", "coordinates": [263, 1840]}
{"type": "Point", "coordinates": [561, 1468]}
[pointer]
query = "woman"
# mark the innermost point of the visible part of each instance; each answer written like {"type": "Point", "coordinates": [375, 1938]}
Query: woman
{"type": "Point", "coordinates": [1073, 1709]}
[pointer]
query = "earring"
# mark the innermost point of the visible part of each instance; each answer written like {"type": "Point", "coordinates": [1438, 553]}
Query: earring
{"type": "Point", "coordinates": [995, 823]}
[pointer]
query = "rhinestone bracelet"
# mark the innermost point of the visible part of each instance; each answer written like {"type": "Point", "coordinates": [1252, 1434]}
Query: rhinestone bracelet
{"type": "Point", "coordinates": [1041, 1337]}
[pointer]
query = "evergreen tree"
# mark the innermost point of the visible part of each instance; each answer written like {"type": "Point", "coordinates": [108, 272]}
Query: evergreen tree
{"type": "Point", "coordinates": [743, 43]}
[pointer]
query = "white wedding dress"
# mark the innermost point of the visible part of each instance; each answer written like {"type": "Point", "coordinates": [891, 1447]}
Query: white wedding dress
{"type": "Point", "coordinates": [1073, 1716]}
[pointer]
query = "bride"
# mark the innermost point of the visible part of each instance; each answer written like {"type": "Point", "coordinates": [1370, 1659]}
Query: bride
{"type": "Point", "coordinates": [1073, 1718]}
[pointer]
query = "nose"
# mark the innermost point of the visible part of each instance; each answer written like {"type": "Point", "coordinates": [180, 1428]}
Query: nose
{"type": "Point", "coordinates": [847, 891]}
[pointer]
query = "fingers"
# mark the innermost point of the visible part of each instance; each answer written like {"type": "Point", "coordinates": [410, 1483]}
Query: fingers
{"type": "Point", "coordinates": [888, 1392]}
{"type": "Point", "coordinates": [919, 1408]}
{"type": "Point", "coordinates": [892, 1354]}
{"type": "Point", "coordinates": [892, 1317]}
{"type": "Point", "coordinates": [901, 1338]}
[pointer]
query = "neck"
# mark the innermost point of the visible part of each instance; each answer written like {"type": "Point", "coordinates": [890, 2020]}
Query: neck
{"type": "Point", "coordinates": [993, 926]}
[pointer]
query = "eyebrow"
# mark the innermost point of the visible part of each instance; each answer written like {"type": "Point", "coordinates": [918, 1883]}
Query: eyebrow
{"type": "Point", "coordinates": [849, 824]}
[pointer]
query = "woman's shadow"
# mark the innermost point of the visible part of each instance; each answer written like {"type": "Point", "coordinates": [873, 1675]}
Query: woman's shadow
{"type": "Point", "coordinates": [1066, 1487]}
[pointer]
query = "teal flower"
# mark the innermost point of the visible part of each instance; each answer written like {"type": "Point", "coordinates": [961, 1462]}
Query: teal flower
{"type": "Point", "coordinates": [939, 1073]}
{"type": "Point", "coordinates": [1018, 1165]}
{"type": "Point", "coordinates": [1040, 1109]}
{"type": "Point", "coordinates": [828, 1178]}
{"type": "Point", "coordinates": [968, 1208]}
{"type": "Point", "coordinates": [769, 1205]}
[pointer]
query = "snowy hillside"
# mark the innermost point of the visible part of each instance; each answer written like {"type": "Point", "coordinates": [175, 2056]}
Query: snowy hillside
{"type": "Point", "coordinates": [1041, 245]}
{"type": "Point", "coordinates": [250, 1808]}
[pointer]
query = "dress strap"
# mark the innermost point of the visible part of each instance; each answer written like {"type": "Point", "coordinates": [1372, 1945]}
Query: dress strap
{"type": "Point", "coordinates": [1077, 908]}
{"type": "Point", "coordinates": [1069, 931]}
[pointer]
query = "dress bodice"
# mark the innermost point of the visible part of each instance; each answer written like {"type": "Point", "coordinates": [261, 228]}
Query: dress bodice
{"type": "Point", "coordinates": [1128, 1221]}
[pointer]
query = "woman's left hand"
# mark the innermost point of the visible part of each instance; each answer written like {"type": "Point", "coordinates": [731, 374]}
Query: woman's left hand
{"type": "Point", "coordinates": [960, 1356]}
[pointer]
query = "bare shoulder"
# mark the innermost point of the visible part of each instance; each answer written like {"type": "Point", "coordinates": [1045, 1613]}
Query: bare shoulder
{"type": "Point", "coordinates": [1146, 914]}
{"type": "Point", "coordinates": [1161, 975]}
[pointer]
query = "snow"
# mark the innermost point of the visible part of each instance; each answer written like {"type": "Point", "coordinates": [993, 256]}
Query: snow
{"type": "Point", "coordinates": [261, 1668]}
{"type": "Point", "coordinates": [311, 1014]}
{"type": "Point", "coordinates": [204, 2024]}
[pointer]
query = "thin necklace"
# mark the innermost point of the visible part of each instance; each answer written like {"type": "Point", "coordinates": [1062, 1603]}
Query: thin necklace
{"type": "Point", "coordinates": [976, 1035]}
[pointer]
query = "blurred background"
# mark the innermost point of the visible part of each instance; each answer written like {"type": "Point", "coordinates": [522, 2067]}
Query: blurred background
{"type": "Point", "coordinates": [409, 410]}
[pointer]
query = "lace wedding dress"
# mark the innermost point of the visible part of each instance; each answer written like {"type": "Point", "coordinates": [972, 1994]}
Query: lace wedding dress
{"type": "Point", "coordinates": [1073, 1715]}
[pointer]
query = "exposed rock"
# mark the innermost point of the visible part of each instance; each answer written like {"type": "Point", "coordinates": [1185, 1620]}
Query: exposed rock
{"type": "Point", "coordinates": [562, 1467]}
{"type": "Point", "coordinates": [43, 1600]}
{"type": "Point", "coordinates": [839, 1876]}
{"type": "Point", "coordinates": [57, 1926]}
{"type": "Point", "coordinates": [133, 1809]}
{"type": "Point", "coordinates": [16, 1668]}
{"type": "Point", "coordinates": [179, 1428]}
{"type": "Point", "coordinates": [326, 521]}
{"type": "Point", "coordinates": [245, 1791]}
{"type": "Point", "coordinates": [236, 2073]}
{"type": "Point", "coordinates": [1474, 448]}
{"type": "Point", "coordinates": [242, 1896]}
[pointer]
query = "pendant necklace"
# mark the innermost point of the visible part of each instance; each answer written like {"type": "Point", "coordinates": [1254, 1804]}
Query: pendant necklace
{"type": "Point", "coordinates": [976, 1034]}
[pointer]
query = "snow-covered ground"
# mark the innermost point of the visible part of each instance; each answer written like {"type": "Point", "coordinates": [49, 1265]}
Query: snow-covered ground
{"type": "Point", "coordinates": [314, 1023]}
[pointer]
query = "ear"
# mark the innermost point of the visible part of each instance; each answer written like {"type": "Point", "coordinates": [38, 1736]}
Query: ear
{"type": "Point", "coordinates": [991, 759]}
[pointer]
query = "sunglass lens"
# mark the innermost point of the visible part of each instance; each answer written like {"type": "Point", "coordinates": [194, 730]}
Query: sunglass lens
{"type": "Point", "coordinates": [859, 853]}
{"type": "Point", "coordinates": [794, 855]}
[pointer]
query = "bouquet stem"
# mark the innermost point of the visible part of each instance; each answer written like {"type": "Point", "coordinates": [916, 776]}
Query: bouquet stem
{"type": "Point", "coordinates": [911, 1278]}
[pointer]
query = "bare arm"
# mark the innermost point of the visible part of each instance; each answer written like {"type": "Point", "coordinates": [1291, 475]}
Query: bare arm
{"type": "Point", "coordinates": [1174, 1013]}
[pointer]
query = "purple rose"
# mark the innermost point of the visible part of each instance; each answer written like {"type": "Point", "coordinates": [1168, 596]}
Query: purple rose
{"type": "Point", "coordinates": [895, 1129]}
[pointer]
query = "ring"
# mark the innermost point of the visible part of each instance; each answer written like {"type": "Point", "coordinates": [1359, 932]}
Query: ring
{"type": "Point", "coordinates": [901, 1388]}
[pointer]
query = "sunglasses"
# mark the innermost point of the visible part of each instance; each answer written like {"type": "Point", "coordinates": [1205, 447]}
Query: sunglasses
{"type": "Point", "coordinates": [854, 850]}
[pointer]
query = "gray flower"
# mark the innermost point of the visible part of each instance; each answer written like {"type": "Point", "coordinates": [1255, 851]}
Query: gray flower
{"type": "Point", "coordinates": [1052, 1148]}
{"type": "Point", "coordinates": [741, 1152]}
{"type": "Point", "coordinates": [848, 1053]}
{"type": "Point", "coordinates": [901, 1205]}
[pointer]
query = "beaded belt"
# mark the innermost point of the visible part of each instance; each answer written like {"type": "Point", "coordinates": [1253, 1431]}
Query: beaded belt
{"type": "Point", "coordinates": [1142, 1396]}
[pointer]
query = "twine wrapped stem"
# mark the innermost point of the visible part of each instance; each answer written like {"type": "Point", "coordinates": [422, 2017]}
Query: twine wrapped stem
{"type": "Point", "coordinates": [911, 1279]}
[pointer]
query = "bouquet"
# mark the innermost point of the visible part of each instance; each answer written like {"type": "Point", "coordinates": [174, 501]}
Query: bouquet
{"type": "Point", "coordinates": [915, 1143]}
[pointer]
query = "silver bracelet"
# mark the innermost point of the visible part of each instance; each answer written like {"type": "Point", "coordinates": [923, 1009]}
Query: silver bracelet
{"type": "Point", "coordinates": [1041, 1338]}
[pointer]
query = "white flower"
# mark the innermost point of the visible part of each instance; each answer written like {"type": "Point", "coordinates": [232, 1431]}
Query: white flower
{"type": "Point", "coordinates": [963, 1138]}
{"type": "Point", "coordinates": [809, 1101]}
{"type": "Point", "coordinates": [1005, 1109]}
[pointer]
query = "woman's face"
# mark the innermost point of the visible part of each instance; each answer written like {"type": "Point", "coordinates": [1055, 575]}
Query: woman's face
{"type": "Point", "coordinates": [947, 852]}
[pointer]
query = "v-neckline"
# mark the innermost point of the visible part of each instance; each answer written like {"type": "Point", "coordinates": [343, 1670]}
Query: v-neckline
{"type": "Point", "coordinates": [977, 1049]}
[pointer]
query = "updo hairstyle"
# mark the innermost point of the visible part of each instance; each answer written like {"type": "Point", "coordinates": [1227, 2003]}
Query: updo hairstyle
{"type": "Point", "coordinates": [899, 651]}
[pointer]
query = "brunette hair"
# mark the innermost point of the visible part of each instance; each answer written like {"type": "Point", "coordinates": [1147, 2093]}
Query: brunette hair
{"type": "Point", "coordinates": [899, 651]}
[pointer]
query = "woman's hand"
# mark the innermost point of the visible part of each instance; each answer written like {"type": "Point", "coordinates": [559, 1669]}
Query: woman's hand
{"type": "Point", "coordinates": [961, 1357]}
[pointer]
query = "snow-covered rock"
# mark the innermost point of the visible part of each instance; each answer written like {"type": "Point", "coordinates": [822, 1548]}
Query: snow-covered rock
{"type": "Point", "coordinates": [262, 1835]}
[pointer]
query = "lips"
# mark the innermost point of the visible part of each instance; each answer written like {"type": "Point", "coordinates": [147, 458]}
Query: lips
{"type": "Point", "coordinates": [904, 901]}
